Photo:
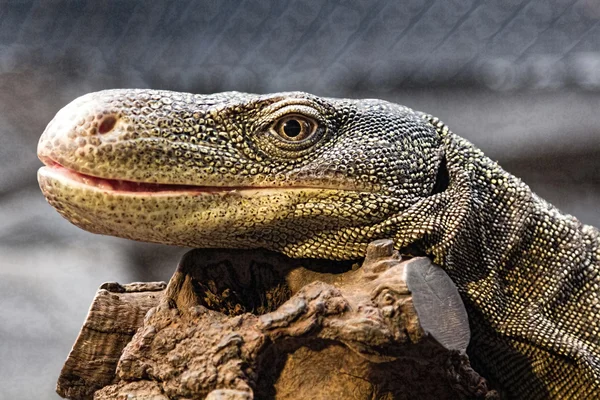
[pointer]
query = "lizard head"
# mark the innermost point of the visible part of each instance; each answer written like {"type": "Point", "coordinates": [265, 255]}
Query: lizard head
{"type": "Point", "coordinates": [292, 172]}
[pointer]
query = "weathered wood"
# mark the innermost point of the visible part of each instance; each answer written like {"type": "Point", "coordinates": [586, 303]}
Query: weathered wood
{"type": "Point", "coordinates": [256, 324]}
{"type": "Point", "coordinates": [116, 313]}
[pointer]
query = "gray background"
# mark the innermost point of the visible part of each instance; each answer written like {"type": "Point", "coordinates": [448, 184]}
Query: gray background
{"type": "Point", "coordinates": [519, 78]}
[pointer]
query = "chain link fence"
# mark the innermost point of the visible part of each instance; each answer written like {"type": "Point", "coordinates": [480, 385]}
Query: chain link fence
{"type": "Point", "coordinates": [519, 78]}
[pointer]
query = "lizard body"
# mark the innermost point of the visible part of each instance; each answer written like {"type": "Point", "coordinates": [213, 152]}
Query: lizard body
{"type": "Point", "coordinates": [319, 177]}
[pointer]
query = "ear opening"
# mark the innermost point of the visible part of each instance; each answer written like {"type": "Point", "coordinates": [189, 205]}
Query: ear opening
{"type": "Point", "coordinates": [442, 178]}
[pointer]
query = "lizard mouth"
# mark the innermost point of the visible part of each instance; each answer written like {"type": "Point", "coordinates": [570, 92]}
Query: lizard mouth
{"type": "Point", "coordinates": [56, 171]}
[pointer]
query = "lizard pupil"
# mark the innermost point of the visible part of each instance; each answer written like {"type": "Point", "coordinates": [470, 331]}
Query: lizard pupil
{"type": "Point", "coordinates": [295, 128]}
{"type": "Point", "coordinates": [292, 128]}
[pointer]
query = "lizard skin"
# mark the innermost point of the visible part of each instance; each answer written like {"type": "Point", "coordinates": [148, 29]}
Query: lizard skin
{"type": "Point", "coordinates": [321, 177]}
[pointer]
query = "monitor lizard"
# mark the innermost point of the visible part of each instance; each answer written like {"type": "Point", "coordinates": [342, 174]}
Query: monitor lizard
{"type": "Point", "coordinates": [321, 177]}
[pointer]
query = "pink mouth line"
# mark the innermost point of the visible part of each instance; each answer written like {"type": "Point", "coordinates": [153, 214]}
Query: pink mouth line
{"type": "Point", "coordinates": [117, 185]}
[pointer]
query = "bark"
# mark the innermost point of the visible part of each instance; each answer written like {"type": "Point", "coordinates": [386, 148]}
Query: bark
{"type": "Point", "coordinates": [256, 324]}
{"type": "Point", "coordinates": [115, 315]}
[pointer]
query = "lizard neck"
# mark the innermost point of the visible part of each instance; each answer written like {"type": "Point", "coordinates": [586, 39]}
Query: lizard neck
{"type": "Point", "coordinates": [524, 269]}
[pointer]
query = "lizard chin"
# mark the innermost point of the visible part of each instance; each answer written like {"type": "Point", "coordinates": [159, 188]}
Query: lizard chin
{"type": "Point", "coordinates": [191, 216]}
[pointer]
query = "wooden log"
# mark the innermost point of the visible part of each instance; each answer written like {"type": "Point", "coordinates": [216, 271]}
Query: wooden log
{"type": "Point", "coordinates": [116, 313]}
{"type": "Point", "coordinates": [255, 324]}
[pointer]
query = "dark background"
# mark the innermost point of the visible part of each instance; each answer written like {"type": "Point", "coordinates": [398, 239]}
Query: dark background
{"type": "Point", "coordinates": [519, 78]}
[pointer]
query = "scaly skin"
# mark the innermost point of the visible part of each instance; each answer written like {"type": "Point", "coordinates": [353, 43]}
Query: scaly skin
{"type": "Point", "coordinates": [222, 171]}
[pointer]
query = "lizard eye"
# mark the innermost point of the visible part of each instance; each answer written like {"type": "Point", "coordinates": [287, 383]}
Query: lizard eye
{"type": "Point", "coordinates": [294, 128]}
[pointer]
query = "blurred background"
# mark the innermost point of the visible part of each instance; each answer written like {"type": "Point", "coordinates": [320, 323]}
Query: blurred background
{"type": "Point", "coordinates": [519, 78]}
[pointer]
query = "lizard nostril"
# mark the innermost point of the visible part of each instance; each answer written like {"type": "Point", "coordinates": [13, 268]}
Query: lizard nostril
{"type": "Point", "coordinates": [107, 124]}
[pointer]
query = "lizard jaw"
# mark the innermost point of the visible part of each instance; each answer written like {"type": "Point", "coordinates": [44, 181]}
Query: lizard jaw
{"type": "Point", "coordinates": [179, 215]}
